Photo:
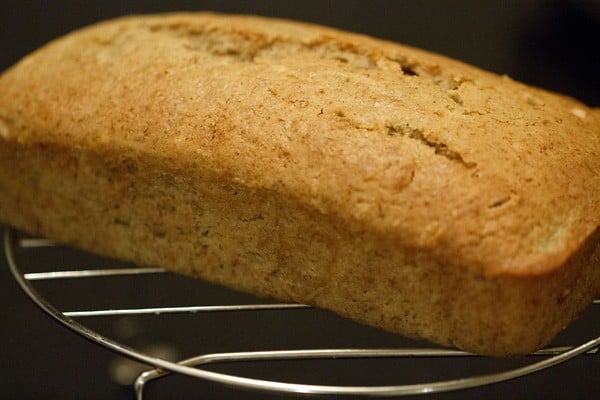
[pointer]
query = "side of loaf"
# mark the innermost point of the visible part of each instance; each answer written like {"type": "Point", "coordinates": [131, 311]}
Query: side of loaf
{"type": "Point", "coordinates": [392, 186]}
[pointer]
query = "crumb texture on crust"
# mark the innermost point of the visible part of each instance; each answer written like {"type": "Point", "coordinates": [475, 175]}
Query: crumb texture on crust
{"type": "Point", "coordinates": [461, 162]}
{"type": "Point", "coordinates": [430, 172]}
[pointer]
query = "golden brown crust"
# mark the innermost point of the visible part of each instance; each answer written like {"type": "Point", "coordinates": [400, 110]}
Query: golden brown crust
{"type": "Point", "coordinates": [329, 168]}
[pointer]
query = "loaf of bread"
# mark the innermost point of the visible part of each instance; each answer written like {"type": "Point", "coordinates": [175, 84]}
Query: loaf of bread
{"type": "Point", "coordinates": [392, 186]}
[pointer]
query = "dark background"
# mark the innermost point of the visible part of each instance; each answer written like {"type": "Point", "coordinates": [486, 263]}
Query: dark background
{"type": "Point", "coordinates": [552, 44]}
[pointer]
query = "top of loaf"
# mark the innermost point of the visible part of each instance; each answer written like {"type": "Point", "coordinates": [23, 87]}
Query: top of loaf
{"type": "Point", "coordinates": [476, 169]}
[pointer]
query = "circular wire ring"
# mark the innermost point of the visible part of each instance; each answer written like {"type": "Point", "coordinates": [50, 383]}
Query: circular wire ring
{"type": "Point", "coordinates": [274, 386]}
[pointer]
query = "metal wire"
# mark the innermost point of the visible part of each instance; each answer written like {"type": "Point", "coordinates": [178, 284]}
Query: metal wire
{"type": "Point", "coordinates": [90, 273]}
{"type": "Point", "coordinates": [182, 309]}
{"type": "Point", "coordinates": [560, 354]}
{"type": "Point", "coordinates": [189, 366]}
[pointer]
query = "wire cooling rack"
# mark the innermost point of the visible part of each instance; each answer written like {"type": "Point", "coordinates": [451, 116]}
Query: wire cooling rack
{"type": "Point", "coordinates": [19, 249]}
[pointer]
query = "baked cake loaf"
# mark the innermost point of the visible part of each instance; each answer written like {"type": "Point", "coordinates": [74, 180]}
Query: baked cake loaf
{"type": "Point", "coordinates": [390, 185]}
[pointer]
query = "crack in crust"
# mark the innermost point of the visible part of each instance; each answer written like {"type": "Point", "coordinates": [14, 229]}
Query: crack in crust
{"type": "Point", "coordinates": [440, 148]}
{"type": "Point", "coordinates": [247, 47]}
